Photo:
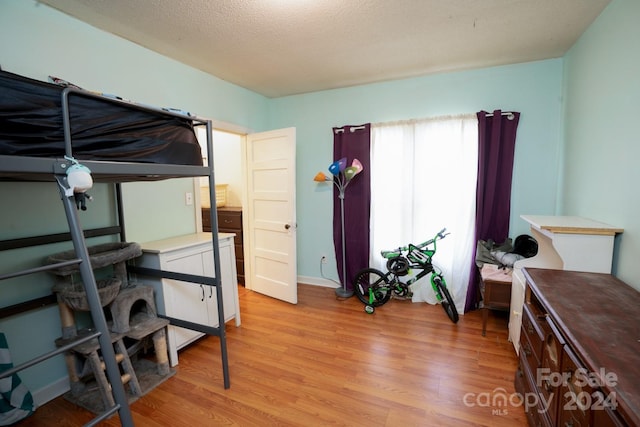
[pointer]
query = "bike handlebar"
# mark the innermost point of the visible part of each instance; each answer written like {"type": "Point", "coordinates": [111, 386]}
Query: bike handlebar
{"type": "Point", "coordinates": [440, 235]}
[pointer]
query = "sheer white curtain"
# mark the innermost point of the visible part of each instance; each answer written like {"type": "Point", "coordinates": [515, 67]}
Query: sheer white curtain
{"type": "Point", "coordinates": [423, 178]}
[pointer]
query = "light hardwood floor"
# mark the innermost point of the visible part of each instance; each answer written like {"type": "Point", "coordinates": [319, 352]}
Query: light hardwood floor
{"type": "Point", "coordinates": [324, 362]}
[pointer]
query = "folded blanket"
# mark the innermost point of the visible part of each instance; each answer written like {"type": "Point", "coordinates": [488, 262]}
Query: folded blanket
{"type": "Point", "coordinates": [16, 401]}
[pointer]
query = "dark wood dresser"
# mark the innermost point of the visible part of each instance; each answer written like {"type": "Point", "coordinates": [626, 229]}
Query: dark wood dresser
{"type": "Point", "coordinates": [229, 221]}
{"type": "Point", "coordinates": [580, 350]}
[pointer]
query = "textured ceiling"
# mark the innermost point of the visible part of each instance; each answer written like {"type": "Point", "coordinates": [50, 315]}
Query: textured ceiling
{"type": "Point", "coordinates": [285, 47]}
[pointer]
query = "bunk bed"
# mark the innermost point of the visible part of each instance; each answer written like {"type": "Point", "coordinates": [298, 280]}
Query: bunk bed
{"type": "Point", "coordinates": [46, 130]}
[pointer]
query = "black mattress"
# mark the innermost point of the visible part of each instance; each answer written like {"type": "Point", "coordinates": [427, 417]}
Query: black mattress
{"type": "Point", "coordinates": [102, 128]}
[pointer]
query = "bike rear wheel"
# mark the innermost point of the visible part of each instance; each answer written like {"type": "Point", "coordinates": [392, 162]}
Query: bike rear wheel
{"type": "Point", "coordinates": [447, 302]}
{"type": "Point", "coordinates": [371, 287]}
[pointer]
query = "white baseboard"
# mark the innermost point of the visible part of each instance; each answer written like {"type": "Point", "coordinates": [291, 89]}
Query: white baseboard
{"type": "Point", "coordinates": [50, 391]}
{"type": "Point", "coordinates": [316, 281]}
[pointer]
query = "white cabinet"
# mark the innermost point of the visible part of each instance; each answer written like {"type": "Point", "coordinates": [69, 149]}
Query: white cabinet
{"type": "Point", "coordinates": [564, 243]}
{"type": "Point", "coordinates": [192, 254]}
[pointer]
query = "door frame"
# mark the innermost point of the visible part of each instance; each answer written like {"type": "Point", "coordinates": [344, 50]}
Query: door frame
{"type": "Point", "coordinates": [242, 132]}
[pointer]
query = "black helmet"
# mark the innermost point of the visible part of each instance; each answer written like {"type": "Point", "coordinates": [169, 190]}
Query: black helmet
{"type": "Point", "coordinates": [525, 245]}
{"type": "Point", "coordinates": [398, 265]}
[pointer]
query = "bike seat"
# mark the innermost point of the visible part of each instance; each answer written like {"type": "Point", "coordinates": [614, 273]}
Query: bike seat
{"type": "Point", "coordinates": [391, 254]}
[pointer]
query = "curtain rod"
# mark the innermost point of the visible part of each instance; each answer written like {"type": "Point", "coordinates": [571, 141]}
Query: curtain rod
{"type": "Point", "coordinates": [425, 119]}
{"type": "Point", "coordinates": [509, 114]}
{"type": "Point", "coordinates": [352, 129]}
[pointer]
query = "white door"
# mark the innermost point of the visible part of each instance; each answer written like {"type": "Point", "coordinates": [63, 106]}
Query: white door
{"type": "Point", "coordinates": [270, 225]}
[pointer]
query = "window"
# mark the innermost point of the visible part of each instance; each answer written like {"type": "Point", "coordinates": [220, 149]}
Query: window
{"type": "Point", "coordinates": [423, 179]}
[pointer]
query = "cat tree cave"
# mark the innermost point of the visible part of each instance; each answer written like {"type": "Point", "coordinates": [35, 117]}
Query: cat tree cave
{"type": "Point", "coordinates": [134, 327]}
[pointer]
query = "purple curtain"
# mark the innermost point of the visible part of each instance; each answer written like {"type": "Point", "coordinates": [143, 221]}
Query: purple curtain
{"type": "Point", "coordinates": [353, 142]}
{"type": "Point", "coordinates": [496, 146]}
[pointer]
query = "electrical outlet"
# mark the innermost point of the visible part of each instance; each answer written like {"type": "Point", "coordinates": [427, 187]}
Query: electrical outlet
{"type": "Point", "coordinates": [323, 259]}
{"type": "Point", "coordinates": [188, 199]}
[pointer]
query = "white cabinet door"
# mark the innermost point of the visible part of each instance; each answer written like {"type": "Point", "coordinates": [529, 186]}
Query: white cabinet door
{"type": "Point", "coordinates": [229, 283]}
{"type": "Point", "coordinates": [211, 297]}
{"type": "Point", "coordinates": [186, 301]}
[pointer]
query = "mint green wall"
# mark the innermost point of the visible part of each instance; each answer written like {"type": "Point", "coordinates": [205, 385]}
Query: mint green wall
{"type": "Point", "coordinates": [534, 89]}
{"type": "Point", "coordinates": [38, 41]}
{"type": "Point", "coordinates": [602, 92]}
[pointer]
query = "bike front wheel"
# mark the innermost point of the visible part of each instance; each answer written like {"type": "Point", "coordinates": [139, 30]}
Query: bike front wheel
{"type": "Point", "coordinates": [447, 302]}
{"type": "Point", "coordinates": [371, 287]}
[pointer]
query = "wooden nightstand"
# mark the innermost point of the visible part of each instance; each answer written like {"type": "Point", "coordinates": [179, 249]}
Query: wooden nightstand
{"type": "Point", "coordinates": [229, 221]}
{"type": "Point", "coordinates": [496, 290]}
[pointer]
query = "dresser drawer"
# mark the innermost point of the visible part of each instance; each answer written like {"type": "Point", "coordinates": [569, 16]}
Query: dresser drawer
{"type": "Point", "coordinates": [528, 354]}
{"type": "Point", "coordinates": [532, 329]}
{"type": "Point", "coordinates": [552, 348]}
{"type": "Point", "coordinates": [537, 414]}
{"type": "Point", "coordinates": [576, 396]}
{"type": "Point", "coordinates": [607, 417]}
{"type": "Point", "coordinates": [550, 369]}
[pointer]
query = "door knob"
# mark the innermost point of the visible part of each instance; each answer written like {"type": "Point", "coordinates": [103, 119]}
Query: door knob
{"type": "Point", "coordinates": [287, 226]}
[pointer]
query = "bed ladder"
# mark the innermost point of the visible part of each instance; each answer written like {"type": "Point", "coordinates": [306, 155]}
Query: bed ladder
{"type": "Point", "coordinates": [121, 403]}
{"type": "Point", "coordinates": [97, 314]}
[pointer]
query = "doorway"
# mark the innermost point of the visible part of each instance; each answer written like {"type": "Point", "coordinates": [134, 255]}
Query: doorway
{"type": "Point", "coordinates": [230, 187]}
{"type": "Point", "coordinates": [227, 164]}
{"type": "Point", "coordinates": [258, 171]}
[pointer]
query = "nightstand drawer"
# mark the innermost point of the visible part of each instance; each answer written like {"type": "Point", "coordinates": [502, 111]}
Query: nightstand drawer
{"type": "Point", "coordinates": [497, 295]}
{"type": "Point", "coordinates": [206, 219]}
{"type": "Point", "coordinates": [229, 221]}
{"type": "Point", "coordinates": [239, 249]}
{"type": "Point", "coordinates": [240, 267]}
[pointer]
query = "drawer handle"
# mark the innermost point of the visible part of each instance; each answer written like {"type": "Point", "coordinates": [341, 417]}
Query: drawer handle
{"type": "Point", "coordinates": [228, 221]}
{"type": "Point", "coordinates": [529, 328]}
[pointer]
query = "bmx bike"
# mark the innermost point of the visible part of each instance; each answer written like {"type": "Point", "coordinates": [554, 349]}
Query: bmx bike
{"type": "Point", "coordinates": [375, 288]}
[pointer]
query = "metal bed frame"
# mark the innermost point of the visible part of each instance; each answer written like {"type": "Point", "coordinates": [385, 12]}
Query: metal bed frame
{"type": "Point", "coordinates": [21, 168]}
